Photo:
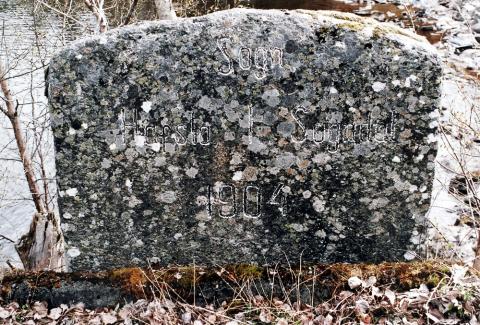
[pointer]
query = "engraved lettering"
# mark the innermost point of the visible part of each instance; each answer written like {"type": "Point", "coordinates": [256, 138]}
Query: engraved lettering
{"type": "Point", "coordinates": [222, 45]}
{"type": "Point", "coordinates": [300, 124]}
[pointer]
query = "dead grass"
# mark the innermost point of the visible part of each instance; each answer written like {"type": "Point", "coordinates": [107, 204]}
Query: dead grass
{"type": "Point", "coordinates": [407, 293]}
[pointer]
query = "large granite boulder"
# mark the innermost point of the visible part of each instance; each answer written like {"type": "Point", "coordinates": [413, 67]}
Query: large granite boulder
{"type": "Point", "coordinates": [245, 136]}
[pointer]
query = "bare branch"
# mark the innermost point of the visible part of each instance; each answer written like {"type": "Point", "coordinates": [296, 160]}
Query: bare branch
{"type": "Point", "coordinates": [24, 73]}
{"type": "Point", "coordinates": [60, 13]}
{"type": "Point", "coordinates": [11, 265]}
{"type": "Point", "coordinates": [130, 12]}
{"type": "Point", "coordinates": [7, 239]}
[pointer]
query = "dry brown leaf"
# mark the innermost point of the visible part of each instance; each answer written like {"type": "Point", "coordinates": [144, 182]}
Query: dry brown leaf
{"type": "Point", "coordinates": [376, 292]}
{"type": "Point", "coordinates": [212, 318]}
{"type": "Point", "coordinates": [328, 320]}
{"type": "Point", "coordinates": [187, 317]}
{"type": "Point", "coordinates": [109, 318]}
{"type": "Point", "coordinates": [362, 306]}
{"type": "Point", "coordinates": [95, 321]}
{"type": "Point", "coordinates": [265, 316]}
{"type": "Point", "coordinates": [40, 309]}
{"type": "Point", "coordinates": [4, 314]}
{"type": "Point", "coordinates": [126, 311]}
{"type": "Point", "coordinates": [433, 318]}
{"type": "Point", "coordinates": [390, 296]}
{"type": "Point", "coordinates": [282, 321]}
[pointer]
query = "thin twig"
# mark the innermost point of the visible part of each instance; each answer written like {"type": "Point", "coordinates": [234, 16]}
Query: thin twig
{"type": "Point", "coordinates": [61, 13]}
{"type": "Point", "coordinates": [6, 238]}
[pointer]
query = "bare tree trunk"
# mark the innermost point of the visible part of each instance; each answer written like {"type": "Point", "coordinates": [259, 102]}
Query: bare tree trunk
{"type": "Point", "coordinates": [165, 9]}
{"type": "Point", "coordinates": [42, 247]}
{"type": "Point", "coordinates": [96, 7]}
{"type": "Point", "coordinates": [11, 112]}
{"type": "Point", "coordinates": [476, 261]}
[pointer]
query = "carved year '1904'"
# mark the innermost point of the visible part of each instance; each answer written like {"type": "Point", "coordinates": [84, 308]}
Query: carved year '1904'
{"type": "Point", "coordinates": [228, 201]}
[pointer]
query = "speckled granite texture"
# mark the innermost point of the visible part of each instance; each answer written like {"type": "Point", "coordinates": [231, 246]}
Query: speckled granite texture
{"type": "Point", "coordinates": [245, 136]}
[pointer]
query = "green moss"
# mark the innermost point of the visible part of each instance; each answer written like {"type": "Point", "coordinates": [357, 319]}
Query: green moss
{"type": "Point", "coordinates": [433, 280]}
{"type": "Point", "coordinates": [247, 271]}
